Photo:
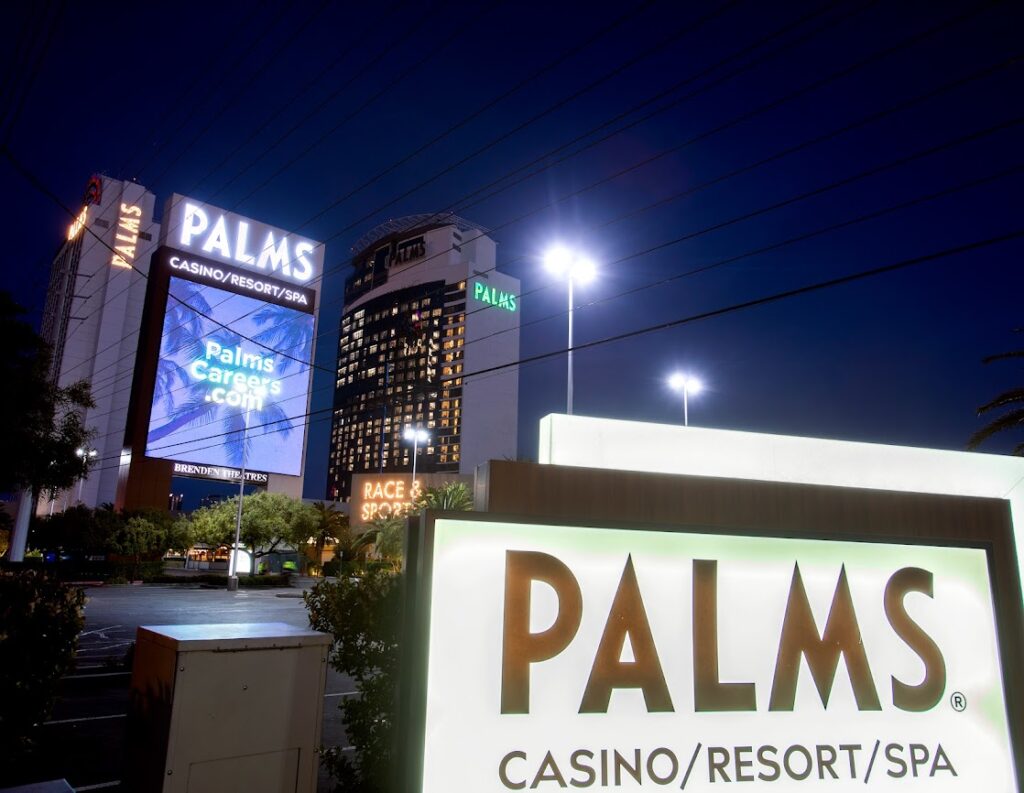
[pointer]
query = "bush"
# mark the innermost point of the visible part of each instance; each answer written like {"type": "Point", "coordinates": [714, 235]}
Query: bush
{"type": "Point", "coordinates": [40, 619]}
{"type": "Point", "coordinates": [363, 613]}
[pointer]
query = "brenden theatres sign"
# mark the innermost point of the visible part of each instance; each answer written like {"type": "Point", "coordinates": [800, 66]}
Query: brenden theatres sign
{"type": "Point", "coordinates": [219, 472]}
{"type": "Point", "coordinates": [567, 657]}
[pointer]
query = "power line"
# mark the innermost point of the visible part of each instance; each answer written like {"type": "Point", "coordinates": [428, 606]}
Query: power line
{"type": "Point", "coordinates": [754, 252]}
{"type": "Point", "coordinates": [843, 72]}
{"type": "Point", "coordinates": [787, 151]}
{"type": "Point", "coordinates": [685, 320]}
{"type": "Point", "coordinates": [320, 277]}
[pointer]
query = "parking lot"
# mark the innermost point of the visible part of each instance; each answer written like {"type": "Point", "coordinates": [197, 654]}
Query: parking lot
{"type": "Point", "coordinates": [84, 739]}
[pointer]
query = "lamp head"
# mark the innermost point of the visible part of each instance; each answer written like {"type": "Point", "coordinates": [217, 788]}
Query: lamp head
{"type": "Point", "coordinates": [558, 260]}
{"type": "Point", "coordinates": [680, 382]}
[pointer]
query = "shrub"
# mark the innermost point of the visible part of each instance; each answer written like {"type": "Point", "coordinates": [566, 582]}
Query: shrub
{"type": "Point", "coordinates": [40, 619]}
{"type": "Point", "coordinates": [363, 613]}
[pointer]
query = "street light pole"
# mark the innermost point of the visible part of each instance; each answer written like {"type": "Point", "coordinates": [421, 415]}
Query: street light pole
{"type": "Point", "coordinates": [85, 454]}
{"type": "Point", "coordinates": [415, 435]}
{"type": "Point", "coordinates": [568, 389]}
{"type": "Point", "coordinates": [257, 393]}
{"type": "Point", "coordinates": [686, 384]}
{"type": "Point", "coordinates": [573, 266]}
{"type": "Point", "coordinates": [233, 558]}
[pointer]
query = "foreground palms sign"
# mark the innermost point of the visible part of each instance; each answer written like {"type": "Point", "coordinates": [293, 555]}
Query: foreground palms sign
{"type": "Point", "coordinates": [835, 640]}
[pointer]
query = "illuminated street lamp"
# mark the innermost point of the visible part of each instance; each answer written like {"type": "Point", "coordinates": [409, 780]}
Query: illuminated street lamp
{"type": "Point", "coordinates": [574, 267]}
{"type": "Point", "coordinates": [417, 436]}
{"type": "Point", "coordinates": [256, 395]}
{"type": "Point", "coordinates": [686, 384]}
{"type": "Point", "coordinates": [85, 455]}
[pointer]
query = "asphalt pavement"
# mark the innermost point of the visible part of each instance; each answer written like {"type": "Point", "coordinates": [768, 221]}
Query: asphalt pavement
{"type": "Point", "coordinates": [84, 739]}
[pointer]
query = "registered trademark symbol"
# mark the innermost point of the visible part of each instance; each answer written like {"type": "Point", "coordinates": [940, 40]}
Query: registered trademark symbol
{"type": "Point", "coordinates": [958, 702]}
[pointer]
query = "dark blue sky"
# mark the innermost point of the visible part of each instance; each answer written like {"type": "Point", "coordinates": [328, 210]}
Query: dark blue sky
{"type": "Point", "coordinates": [171, 96]}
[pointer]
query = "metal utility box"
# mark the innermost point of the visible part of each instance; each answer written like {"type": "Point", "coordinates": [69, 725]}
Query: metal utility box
{"type": "Point", "coordinates": [226, 707]}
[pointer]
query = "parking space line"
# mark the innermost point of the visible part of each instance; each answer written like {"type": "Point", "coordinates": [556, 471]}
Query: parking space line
{"type": "Point", "coordinates": [342, 694]}
{"type": "Point", "coordinates": [95, 674]}
{"type": "Point", "coordinates": [98, 630]}
{"type": "Point", "coordinates": [83, 718]}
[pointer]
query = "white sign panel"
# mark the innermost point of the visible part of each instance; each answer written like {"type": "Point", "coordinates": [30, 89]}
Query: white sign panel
{"type": "Point", "coordinates": [213, 233]}
{"type": "Point", "coordinates": [596, 659]}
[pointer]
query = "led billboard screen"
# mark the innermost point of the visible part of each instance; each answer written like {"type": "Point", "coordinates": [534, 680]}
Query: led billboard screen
{"type": "Point", "coordinates": [229, 361]}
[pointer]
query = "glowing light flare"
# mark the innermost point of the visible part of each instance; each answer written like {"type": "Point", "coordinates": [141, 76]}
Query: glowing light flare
{"type": "Point", "coordinates": [79, 223]}
{"type": "Point", "coordinates": [415, 434]}
{"type": "Point", "coordinates": [562, 262]}
{"type": "Point", "coordinates": [681, 382]}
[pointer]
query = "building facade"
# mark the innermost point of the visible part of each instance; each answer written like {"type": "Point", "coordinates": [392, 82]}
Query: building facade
{"type": "Point", "coordinates": [424, 308]}
{"type": "Point", "coordinates": [92, 317]}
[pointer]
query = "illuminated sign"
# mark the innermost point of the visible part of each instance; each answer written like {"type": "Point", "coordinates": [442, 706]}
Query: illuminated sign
{"type": "Point", "coordinates": [387, 498]}
{"type": "Point", "coordinates": [239, 281]}
{"type": "Point", "coordinates": [93, 191]}
{"type": "Point", "coordinates": [494, 297]}
{"type": "Point", "coordinates": [674, 449]}
{"type": "Point", "coordinates": [232, 381]}
{"type": "Point", "coordinates": [127, 237]}
{"type": "Point", "coordinates": [220, 473]}
{"type": "Point", "coordinates": [78, 224]}
{"type": "Point", "coordinates": [562, 657]}
{"type": "Point", "coordinates": [391, 495]}
{"type": "Point", "coordinates": [216, 233]}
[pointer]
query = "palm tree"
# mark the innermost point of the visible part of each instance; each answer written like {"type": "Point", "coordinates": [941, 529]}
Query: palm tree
{"type": "Point", "coordinates": [331, 527]}
{"type": "Point", "coordinates": [1012, 400]}
{"type": "Point", "coordinates": [451, 496]}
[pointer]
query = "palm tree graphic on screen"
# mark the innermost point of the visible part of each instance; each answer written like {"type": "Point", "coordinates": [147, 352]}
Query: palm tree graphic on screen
{"type": "Point", "coordinates": [181, 403]}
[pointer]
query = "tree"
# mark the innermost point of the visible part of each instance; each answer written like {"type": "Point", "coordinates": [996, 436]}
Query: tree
{"type": "Point", "coordinates": [332, 527]}
{"type": "Point", "coordinates": [41, 423]}
{"type": "Point", "coordinates": [388, 534]}
{"type": "Point", "coordinates": [139, 538]}
{"type": "Point", "coordinates": [268, 520]}
{"type": "Point", "coordinates": [77, 531]}
{"type": "Point", "coordinates": [451, 496]}
{"type": "Point", "coordinates": [41, 620]}
{"type": "Point", "coordinates": [363, 613]}
{"type": "Point", "coordinates": [1012, 401]}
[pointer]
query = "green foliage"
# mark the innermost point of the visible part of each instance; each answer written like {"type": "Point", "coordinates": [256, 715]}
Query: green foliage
{"type": "Point", "coordinates": [363, 613]}
{"type": "Point", "coordinates": [139, 538]}
{"type": "Point", "coordinates": [389, 535]}
{"type": "Point", "coordinates": [332, 528]}
{"type": "Point", "coordinates": [40, 619]}
{"type": "Point", "coordinates": [268, 520]}
{"type": "Point", "coordinates": [76, 531]}
{"type": "Point", "coordinates": [41, 424]}
{"type": "Point", "coordinates": [451, 496]}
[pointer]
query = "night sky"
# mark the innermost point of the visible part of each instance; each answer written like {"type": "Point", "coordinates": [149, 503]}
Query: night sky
{"type": "Point", "coordinates": [659, 137]}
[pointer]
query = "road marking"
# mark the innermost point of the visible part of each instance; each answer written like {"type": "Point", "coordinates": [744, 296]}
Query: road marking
{"type": "Point", "coordinates": [98, 648]}
{"type": "Point", "coordinates": [343, 694]}
{"type": "Point", "coordinates": [98, 674]}
{"type": "Point", "coordinates": [99, 630]}
{"type": "Point", "coordinates": [84, 718]}
{"type": "Point", "coordinates": [99, 785]}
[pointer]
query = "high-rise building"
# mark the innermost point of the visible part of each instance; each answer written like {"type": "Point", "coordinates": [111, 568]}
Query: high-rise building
{"type": "Point", "coordinates": [92, 317]}
{"type": "Point", "coordinates": [424, 307]}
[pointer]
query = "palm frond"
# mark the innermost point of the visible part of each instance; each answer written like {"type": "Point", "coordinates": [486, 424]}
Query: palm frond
{"type": "Point", "coordinates": [1011, 397]}
{"type": "Point", "coordinates": [1011, 420]}
{"type": "Point", "coordinates": [1003, 356]}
